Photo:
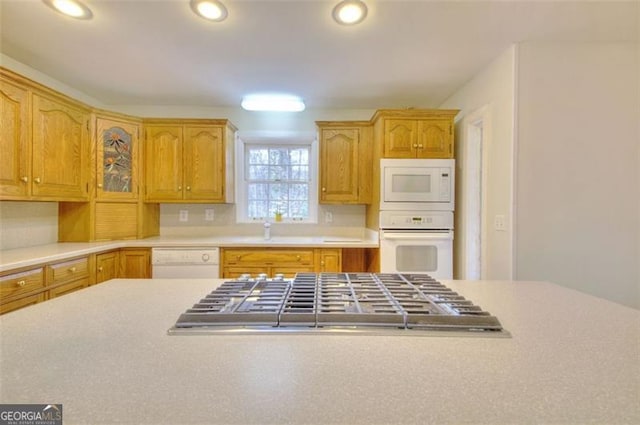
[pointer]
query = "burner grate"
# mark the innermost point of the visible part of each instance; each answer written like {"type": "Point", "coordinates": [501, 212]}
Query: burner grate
{"type": "Point", "coordinates": [338, 300]}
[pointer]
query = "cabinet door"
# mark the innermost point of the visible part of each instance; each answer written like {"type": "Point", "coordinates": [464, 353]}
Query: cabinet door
{"type": "Point", "coordinates": [135, 263]}
{"type": "Point", "coordinates": [435, 138]}
{"type": "Point", "coordinates": [339, 165]}
{"type": "Point", "coordinates": [163, 163]}
{"type": "Point", "coordinates": [60, 149]}
{"type": "Point", "coordinates": [106, 266]}
{"type": "Point", "coordinates": [400, 138]}
{"type": "Point", "coordinates": [14, 143]}
{"type": "Point", "coordinates": [116, 159]}
{"type": "Point", "coordinates": [204, 164]}
{"type": "Point", "coordinates": [328, 260]}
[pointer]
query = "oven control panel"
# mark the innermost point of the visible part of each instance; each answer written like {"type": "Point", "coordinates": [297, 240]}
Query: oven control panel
{"type": "Point", "coordinates": [416, 220]}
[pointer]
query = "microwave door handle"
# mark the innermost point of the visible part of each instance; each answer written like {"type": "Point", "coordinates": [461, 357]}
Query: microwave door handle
{"type": "Point", "coordinates": [418, 235]}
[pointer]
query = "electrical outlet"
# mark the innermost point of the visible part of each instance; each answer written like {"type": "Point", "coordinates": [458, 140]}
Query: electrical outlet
{"type": "Point", "coordinates": [499, 223]}
{"type": "Point", "coordinates": [184, 215]}
{"type": "Point", "coordinates": [209, 215]}
{"type": "Point", "coordinates": [328, 217]}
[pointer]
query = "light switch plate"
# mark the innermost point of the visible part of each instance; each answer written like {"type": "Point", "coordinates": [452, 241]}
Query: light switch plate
{"type": "Point", "coordinates": [209, 214]}
{"type": "Point", "coordinates": [184, 215]}
{"type": "Point", "coordinates": [328, 217]}
{"type": "Point", "coordinates": [499, 223]}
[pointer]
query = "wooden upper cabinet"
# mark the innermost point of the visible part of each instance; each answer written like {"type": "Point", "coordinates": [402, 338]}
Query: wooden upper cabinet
{"type": "Point", "coordinates": [419, 133]}
{"type": "Point", "coordinates": [15, 160]}
{"type": "Point", "coordinates": [163, 163]}
{"type": "Point", "coordinates": [345, 162]}
{"type": "Point", "coordinates": [204, 164]}
{"type": "Point", "coordinates": [60, 162]}
{"type": "Point", "coordinates": [117, 159]}
{"type": "Point", "coordinates": [189, 161]}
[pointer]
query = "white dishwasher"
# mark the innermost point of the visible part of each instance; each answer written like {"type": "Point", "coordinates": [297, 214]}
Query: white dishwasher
{"type": "Point", "coordinates": [178, 262]}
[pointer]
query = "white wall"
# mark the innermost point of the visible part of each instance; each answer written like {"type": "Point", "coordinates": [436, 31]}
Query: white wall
{"type": "Point", "coordinates": [578, 188]}
{"type": "Point", "coordinates": [492, 88]}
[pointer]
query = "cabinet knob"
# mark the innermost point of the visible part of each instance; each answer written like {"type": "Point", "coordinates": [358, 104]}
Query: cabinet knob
{"type": "Point", "coordinates": [322, 263]}
{"type": "Point", "coordinates": [100, 268]}
{"type": "Point", "coordinates": [99, 185]}
{"type": "Point", "coordinates": [415, 145]}
{"type": "Point", "coordinates": [24, 179]}
{"type": "Point", "coordinates": [420, 146]}
{"type": "Point", "coordinates": [188, 187]}
{"type": "Point", "coordinates": [298, 257]}
{"type": "Point", "coordinates": [21, 283]}
{"type": "Point", "coordinates": [37, 180]}
{"type": "Point", "coordinates": [238, 257]}
{"type": "Point", "coordinates": [72, 269]}
{"type": "Point", "coordinates": [179, 188]}
{"type": "Point", "coordinates": [324, 189]}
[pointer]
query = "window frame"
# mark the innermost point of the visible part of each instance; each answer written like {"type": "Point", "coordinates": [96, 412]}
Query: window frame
{"type": "Point", "coordinates": [275, 139]}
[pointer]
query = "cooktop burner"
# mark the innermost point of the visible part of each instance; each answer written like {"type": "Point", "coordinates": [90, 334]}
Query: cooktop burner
{"type": "Point", "coordinates": [335, 302]}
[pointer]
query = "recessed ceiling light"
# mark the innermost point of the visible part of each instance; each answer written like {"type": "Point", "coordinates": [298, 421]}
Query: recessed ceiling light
{"type": "Point", "coordinates": [211, 10]}
{"type": "Point", "coordinates": [272, 102]}
{"type": "Point", "coordinates": [350, 12]}
{"type": "Point", "coordinates": [72, 8]}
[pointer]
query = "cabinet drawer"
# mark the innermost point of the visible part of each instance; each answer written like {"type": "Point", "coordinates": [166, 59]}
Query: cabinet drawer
{"type": "Point", "coordinates": [290, 272]}
{"type": "Point", "coordinates": [68, 270]}
{"type": "Point", "coordinates": [67, 288]}
{"type": "Point", "coordinates": [22, 302]}
{"type": "Point", "coordinates": [21, 283]}
{"type": "Point", "coordinates": [236, 272]}
{"type": "Point", "coordinates": [268, 256]}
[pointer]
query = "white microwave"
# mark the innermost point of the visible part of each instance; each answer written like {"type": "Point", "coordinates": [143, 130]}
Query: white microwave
{"type": "Point", "coordinates": [417, 184]}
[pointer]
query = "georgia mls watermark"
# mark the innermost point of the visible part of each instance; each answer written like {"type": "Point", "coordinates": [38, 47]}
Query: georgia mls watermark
{"type": "Point", "coordinates": [30, 414]}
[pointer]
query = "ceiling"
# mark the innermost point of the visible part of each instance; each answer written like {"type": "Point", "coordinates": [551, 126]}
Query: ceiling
{"type": "Point", "coordinates": [405, 54]}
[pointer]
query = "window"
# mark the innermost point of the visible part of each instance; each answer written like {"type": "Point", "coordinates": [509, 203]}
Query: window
{"type": "Point", "coordinates": [276, 177]}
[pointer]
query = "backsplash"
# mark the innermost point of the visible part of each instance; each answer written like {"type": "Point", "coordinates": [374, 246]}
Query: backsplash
{"type": "Point", "coordinates": [346, 220]}
{"type": "Point", "coordinates": [25, 224]}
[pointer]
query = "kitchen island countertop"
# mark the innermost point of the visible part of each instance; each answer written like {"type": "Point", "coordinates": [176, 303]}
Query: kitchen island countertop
{"type": "Point", "coordinates": [104, 353]}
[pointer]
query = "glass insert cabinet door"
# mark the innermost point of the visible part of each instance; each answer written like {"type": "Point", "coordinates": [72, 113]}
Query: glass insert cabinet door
{"type": "Point", "coordinates": [117, 159]}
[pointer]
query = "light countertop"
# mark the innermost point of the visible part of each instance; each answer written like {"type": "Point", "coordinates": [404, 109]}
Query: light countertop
{"type": "Point", "coordinates": [24, 257]}
{"type": "Point", "coordinates": [104, 353]}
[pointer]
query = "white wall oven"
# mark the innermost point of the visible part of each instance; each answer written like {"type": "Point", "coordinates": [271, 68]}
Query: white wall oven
{"type": "Point", "coordinates": [417, 184]}
{"type": "Point", "coordinates": [417, 242]}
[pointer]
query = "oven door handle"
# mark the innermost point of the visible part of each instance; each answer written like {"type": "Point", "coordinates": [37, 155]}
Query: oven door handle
{"type": "Point", "coordinates": [418, 235]}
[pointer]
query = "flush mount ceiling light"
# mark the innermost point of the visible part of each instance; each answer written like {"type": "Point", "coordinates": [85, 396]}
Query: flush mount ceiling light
{"type": "Point", "coordinates": [211, 10]}
{"type": "Point", "coordinates": [272, 102]}
{"type": "Point", "coordinates": [350, 12]}
{"type": "Point", "coordinates": [72, 8]}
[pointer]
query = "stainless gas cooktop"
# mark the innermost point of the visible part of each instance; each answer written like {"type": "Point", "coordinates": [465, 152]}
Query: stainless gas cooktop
{"type": "Point", "coordinates": [366, 303]}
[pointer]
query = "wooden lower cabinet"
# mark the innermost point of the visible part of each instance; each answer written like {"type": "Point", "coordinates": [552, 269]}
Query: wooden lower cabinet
{"type": "Point", "coordinates": [273, 261]}
{"type": "Point", "coordinates": [107, 266]}
{"type": "Point", "coordinates": [30, 285]}
{"type": "Point", "coordinates": [135, 263]}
